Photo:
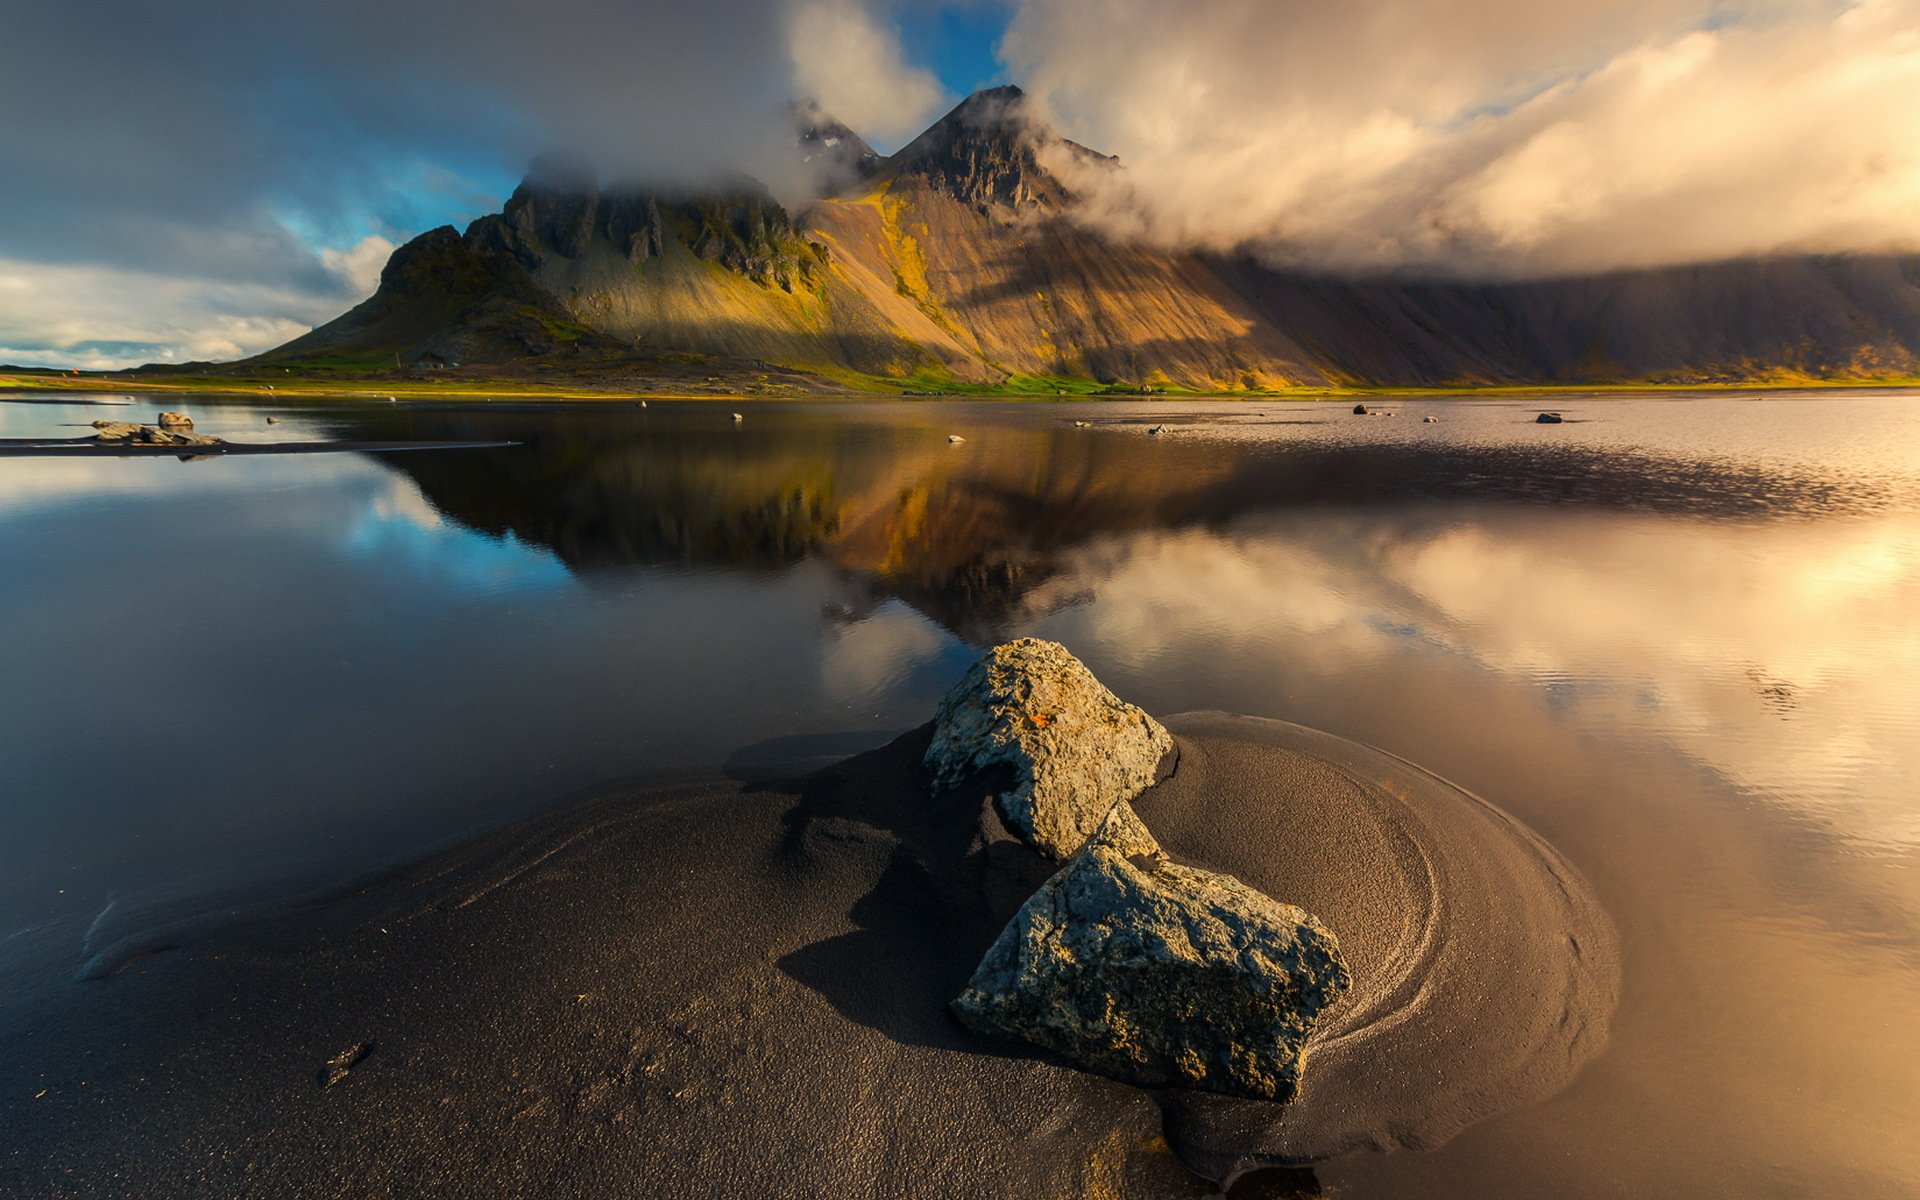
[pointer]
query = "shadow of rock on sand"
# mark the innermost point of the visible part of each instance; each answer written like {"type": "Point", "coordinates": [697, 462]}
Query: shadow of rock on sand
{"type": "Point", "coordinates": [897, 971]}
{"type": "Point", "coordinates": [788, 759]}
{"type": "Point", "coordinates": [954, 876]}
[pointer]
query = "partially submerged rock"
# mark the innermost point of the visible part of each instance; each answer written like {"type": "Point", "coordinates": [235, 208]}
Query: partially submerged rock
{"type": "Point", "coordinates": [148, 435]}
{"type": "Point", "coordinates": [1160, 974]}
{"type": "Point", "coordinates": [1548, 418]}
{"type": "Point", "coordinates": [175, 420]}
{"type": "Point", "coordinates": [1075, 748]}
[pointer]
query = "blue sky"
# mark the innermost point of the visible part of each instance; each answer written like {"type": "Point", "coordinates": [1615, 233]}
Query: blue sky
{"type": "Point", "coordinates": [956, 43]}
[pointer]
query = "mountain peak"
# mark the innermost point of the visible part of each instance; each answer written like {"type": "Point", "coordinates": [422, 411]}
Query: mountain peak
{"type": "Point", "coordinates": [833, 155]}
{"type": "Point", "coordinates": [987, 153]}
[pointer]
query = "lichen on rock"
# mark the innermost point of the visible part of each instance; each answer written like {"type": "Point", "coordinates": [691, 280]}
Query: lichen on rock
{"type": "Point", "coordinates": [1077, 751]}
{"type": "Point", "coordinates": [1160, 974]}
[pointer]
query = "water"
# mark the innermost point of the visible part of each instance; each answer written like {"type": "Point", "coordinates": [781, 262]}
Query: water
{"type": "Point", "coordinates": [1677, 636]}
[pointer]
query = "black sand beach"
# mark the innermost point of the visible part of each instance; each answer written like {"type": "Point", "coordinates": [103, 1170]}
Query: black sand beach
{"type": "Point", "coordinates": [737, 988]}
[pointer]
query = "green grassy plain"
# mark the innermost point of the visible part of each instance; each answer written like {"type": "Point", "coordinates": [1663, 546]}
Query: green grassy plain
{"type": "Point", "coordinates": [348, 379]}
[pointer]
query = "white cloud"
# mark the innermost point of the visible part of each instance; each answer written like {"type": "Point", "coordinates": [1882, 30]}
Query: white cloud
{"type": "Point", "coordinates": [359, 265]}
{"type": "Point", "coordinates": [98, 317]}
{"type": "Point", "coordinates": [1494, 136]}
{"type": "Point", "coordinates": [852, 64]}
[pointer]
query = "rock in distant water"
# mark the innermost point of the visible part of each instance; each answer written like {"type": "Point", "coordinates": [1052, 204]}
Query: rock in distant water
{"type": "Point", "coordinates": [1160, 974]}
{"type": "Point", "coordinates": [175, 420]}
{"type": "Point", "coordinates": [1360, 410]}
{"type": "Point", "coordinates": [1548, 418]}
{"type": "Point", "coordinates": [147, 435]}
{"type": "Point", "coordinates": [1076, 749]}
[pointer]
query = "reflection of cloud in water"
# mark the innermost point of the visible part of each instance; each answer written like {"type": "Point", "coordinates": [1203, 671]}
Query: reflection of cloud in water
{"type": "Point", "coordinates": [874, 655]}
{"type": "Point", "coordinates": [385, 513]}
{"type": "Point", "coordinates": [30, 485]}
{"type": "Point", "coordinates": [1781, 655]}
{"type": "Point", "coordinates": [399, 526]}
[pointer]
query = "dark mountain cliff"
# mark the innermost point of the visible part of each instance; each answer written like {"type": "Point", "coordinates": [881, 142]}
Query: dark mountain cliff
{"type": "Point", "coordinates": [957, 261]}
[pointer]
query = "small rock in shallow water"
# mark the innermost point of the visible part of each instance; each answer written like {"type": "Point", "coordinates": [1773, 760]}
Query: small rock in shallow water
{"type": "Point", "coordinates": [175, 420]}
{"type": "Point", "coordinates": [1360, 410]}
{"type": "Point", "coordinates": [1076, 749]}
{"type": "Point", "coordinates": [1160, 974]}
{"type": "Point", "coordinates": [148, 435]}
{"type": "Point", "coordinates": [1548, 418]}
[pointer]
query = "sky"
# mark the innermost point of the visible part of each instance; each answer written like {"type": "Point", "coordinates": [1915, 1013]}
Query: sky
{"type": "Point", "coordinates": [209, 178]}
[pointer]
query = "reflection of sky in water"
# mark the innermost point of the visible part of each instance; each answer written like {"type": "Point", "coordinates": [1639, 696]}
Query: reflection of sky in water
{"type": "Point", "coordinates": [1782, 656]}
{"type": "Point", "coordinates": [351, 674]}
{"type": "Point", "coordinates": [355, 669]}
{"type": "Point", "coordinates": [401, 531]}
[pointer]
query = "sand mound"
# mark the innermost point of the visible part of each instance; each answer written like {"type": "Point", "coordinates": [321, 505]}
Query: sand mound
{"type": "Point", "coordinates": [1484, 971]}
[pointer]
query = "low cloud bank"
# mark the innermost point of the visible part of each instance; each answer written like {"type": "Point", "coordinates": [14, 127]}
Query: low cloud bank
{"type": "Point", "coordinates": [1497, 137]}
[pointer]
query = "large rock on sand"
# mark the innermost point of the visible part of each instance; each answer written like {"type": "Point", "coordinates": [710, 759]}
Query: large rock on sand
{"type": "Point", "coordinates": [1077, 751]}
{"type": "Point", "coordinates": [1160, 974]}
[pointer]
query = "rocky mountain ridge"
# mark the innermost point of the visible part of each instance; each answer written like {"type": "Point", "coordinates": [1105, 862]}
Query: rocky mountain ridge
{"type": "Point", "coordinates": [957, 262]}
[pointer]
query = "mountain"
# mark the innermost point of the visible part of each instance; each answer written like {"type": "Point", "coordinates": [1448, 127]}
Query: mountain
{"type": "Point", "coordinates": [957, 261]}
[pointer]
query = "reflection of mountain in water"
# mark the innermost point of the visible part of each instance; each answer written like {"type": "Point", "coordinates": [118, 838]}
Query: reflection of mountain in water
{"type": "Point", "coordinates": [968, 535]}
{"type": "Point", "coordinates": [642, 501]}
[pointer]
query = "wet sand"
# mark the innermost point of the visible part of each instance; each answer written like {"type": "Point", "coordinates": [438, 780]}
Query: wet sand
{"type": "Point", "coordinates": [740, 988]}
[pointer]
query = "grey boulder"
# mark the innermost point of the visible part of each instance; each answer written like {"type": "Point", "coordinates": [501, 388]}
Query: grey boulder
{"type": "Point", "coordinates": [1160, 974]}
{"type": "Point", "coordinates": [1077, 751]}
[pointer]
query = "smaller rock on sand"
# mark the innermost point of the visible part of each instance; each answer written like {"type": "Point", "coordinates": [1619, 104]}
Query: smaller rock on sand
{"type": "Point", "coordinates": [1075, 748]}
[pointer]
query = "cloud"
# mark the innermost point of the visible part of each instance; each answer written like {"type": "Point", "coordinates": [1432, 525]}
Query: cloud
{"type": "Point", "coordinates": [100, 317]}
{"type": "Point", "coordinates": [168, 163]}
{"type": "Point", "coordinates": [1495, 137]}
{"type": "Point", "coordinates": [885, 98]}
{"type": "Point", "coordinates": [191, 151]}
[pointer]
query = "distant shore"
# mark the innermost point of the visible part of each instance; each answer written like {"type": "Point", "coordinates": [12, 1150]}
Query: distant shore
{"type": "Point", "coordinates": [452, 386]}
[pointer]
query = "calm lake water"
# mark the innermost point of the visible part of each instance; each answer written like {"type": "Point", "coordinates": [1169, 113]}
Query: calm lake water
{"type": "Point", "coordinates": [1679, 637]}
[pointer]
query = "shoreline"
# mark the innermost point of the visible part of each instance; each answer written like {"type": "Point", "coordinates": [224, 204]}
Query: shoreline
{"type": "Point", "coordinates": [484, 389]}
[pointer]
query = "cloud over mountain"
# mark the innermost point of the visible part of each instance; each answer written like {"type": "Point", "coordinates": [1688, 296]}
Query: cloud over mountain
{"type": "Point", "coordinates": [211, 144]}
{"type": "Point", "coordinates": [208, 150]}
{"type": "Point", "coordinates": [1492, 136]}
